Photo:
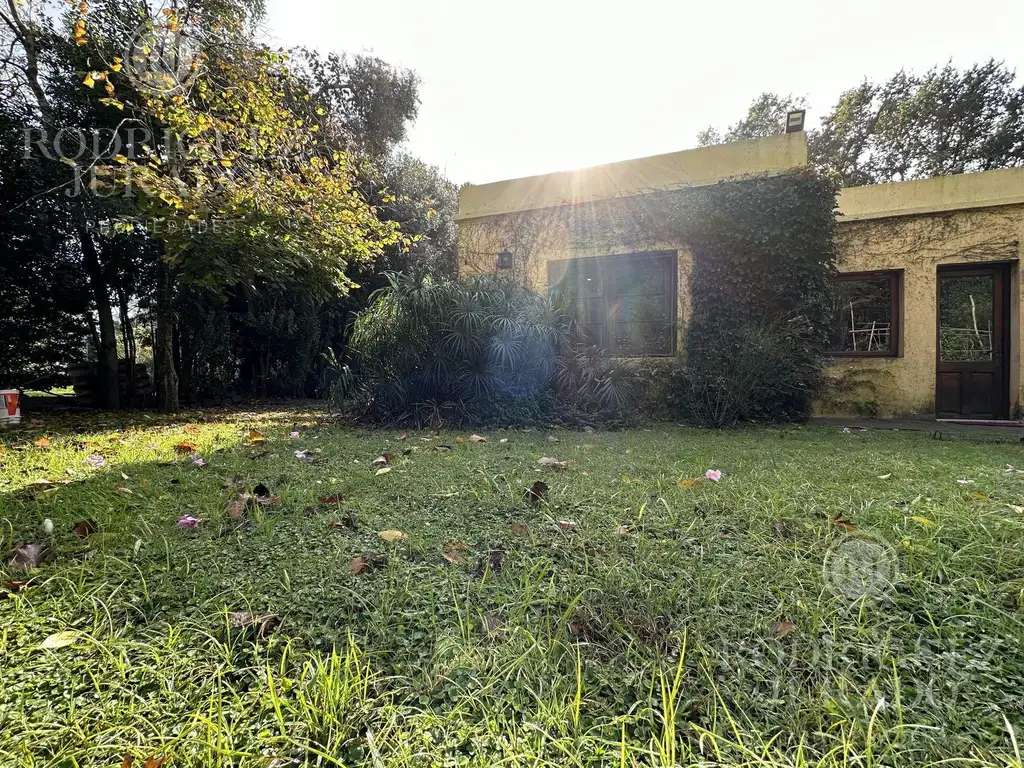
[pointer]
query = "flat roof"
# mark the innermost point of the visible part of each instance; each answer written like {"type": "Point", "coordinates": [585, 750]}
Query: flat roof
{"type": "Point", "coordinates": [692, 167]}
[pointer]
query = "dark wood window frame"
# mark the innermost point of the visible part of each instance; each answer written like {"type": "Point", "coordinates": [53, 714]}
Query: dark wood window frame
{"type": "Point", "coordinates": [630, 259]}
{"type": "Point", "coordinates": [895, 277]}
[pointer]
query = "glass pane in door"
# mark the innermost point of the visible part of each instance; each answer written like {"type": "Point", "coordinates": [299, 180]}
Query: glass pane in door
{"type": "Point", "coordinates": [966, 318]}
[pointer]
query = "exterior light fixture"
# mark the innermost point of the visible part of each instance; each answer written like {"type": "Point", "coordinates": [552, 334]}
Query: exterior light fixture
{"type": "Point", "coordinates": [795, 121]}
{"type": "Point", "coordinates": [505, 260]}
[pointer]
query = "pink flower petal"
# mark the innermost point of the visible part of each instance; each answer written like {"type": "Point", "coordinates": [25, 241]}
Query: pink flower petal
{"type": "Point", "coordinates": [189, 522]}
{"type": "Point", "coordinates": [713, 474]}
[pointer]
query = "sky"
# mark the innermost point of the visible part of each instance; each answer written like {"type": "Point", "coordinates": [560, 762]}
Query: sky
{"type": "Point", "coordinates": [518, 88]}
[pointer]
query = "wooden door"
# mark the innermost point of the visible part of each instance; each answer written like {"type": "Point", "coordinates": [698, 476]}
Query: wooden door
{"type": "Point", "coordinates": [972, 374]}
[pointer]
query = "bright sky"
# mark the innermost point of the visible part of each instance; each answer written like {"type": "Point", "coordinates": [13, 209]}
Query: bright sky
{"type": "Point", "coordinates": [531, 86]}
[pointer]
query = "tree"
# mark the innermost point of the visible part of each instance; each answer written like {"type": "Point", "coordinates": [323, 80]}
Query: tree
{"type": "Point", "coordinates": [943, 122]}
{"type": "Point", "coordinates": [766, 116]}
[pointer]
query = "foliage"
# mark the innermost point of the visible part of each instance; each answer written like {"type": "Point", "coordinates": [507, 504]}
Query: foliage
{"type": "Point", "coordinates": [943, 122]}
{"type": "Point", "coordinates": [430, 351]}
{"type": "Point", "coordinates": [704, 634]}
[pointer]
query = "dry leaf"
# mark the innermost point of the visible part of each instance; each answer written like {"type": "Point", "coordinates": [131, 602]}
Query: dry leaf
{"type": "Point", "coordinates": [391, 536]}
{"type": "Point", "coordinates": [384, 458]}
{"type": "Point", "coordinates": [14, 586]}
{"type": "Point", "coordinates": [42, 442]}
{"type": "Point", "coordinates": [154, 762]}
{"type": "Point", "coordinates": [186, 447]}
{"type": "Point", "coordinates": [691, 482]}
{"type": "Point", "coordinates": [442, 448]}
{"type": "Point", "coordinates": [783, 629]}
{"type": "Point", "coordinates": [978, 496]}
{"type": "Point", "coordinates": [924, 522]}
{"type": "Point", "coordinates": [265, 623]}
{"type": "Point", "coordinates": [460, 439]}
{"type": "Point", "coordinates": [382, 471]}
{"type": "Point", "coordinates": [367, 562]}
{"type": "Point", "coordinates": [28, 556]}
{"type": "Point", "coordinates": [519, 528]}
{"type": "Point", "coordinates": [622, 530]}
{"type": "Point", "coordinates": [236, 507]}
{"type": "Point", "coordinates": [477, 439]}
{"type": "Point", "coordinates": [60, 640]}
{"type": "Point", "coordinates": [568, 525]}
{"type": "Point", "coordinates": [885, 477]}
{"type": "Point", "coordinates": [547, 461]}
{"type": "Point", "coordinates": [1015, 508]}
{"type": "Point", "coordinates": [404, 436]}
{"type": "Point", "coordinates": [333, 499]}
{"type": "Point", "coordinates": [536, 493]}
{"type": "Point", "coordinates": [128, 760]}
{"type": "Point", "coordinates": [256, 437]}
{"type": "Point", "coordinates": [845, 524]}
{"type": "Point", "coordinates": [85, 528]}
{"type": "Point", "coordinates": [191, 429]}
{"type": "Point", "coordinates": [451, 551]}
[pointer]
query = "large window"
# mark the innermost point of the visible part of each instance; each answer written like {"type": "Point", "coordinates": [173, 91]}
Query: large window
{"type": "Point", "coordinates": [867, 321]}
{"type": "Point", "coordinates": [623, 304]}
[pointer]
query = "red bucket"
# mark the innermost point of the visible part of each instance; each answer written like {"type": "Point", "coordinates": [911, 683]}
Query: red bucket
{"type": "Point", "coordinates": [10, 409]}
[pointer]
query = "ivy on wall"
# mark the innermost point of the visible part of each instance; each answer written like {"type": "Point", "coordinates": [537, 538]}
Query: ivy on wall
{"type": "Point", "coordinates": [764, 252]}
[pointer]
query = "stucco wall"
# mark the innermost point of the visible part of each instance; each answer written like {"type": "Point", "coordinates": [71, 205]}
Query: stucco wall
{"type": "Point", "coordinates": [918, 244]}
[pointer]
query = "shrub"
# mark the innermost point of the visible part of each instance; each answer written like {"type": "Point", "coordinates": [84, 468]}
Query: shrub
{"type": "Point", "coordinates": [432, 352]}
{"type": "Point", "coordinates": [764, 372]}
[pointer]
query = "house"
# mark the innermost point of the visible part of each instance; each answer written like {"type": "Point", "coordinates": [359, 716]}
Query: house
{"type": "Point", "coordinates": [929, 286]}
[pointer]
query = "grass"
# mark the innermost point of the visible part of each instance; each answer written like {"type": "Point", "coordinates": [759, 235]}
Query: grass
{"type": "Point", "coordinates": [708, 635]}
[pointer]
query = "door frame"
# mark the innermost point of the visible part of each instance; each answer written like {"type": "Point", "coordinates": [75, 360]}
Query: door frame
{"type": "Point", "coordinates": [1002, 319]}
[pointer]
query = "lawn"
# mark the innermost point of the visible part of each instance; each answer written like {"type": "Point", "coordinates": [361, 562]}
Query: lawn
{"type": "Point", "coordinates": [641, 614]}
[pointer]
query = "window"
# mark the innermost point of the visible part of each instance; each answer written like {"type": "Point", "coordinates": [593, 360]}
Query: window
{"type": "Point", "coordinates": [624, 304]}
{"type": "Point", "coordinates": [867, 318]}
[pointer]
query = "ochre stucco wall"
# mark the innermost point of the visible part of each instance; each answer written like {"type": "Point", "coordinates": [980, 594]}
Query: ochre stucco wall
{"type": "Point", "coordinates": [911, 226]}
{"type": "Point", "coordinates": [918, 244]}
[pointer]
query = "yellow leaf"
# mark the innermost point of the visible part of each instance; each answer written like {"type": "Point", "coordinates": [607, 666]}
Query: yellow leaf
{"type": "Point", "coordinates": [256, 437]}
{"type": "Point", "coordinates": [382, 471]}
{"type": "Point", "coordinates": [691, 482]}
{"type": "Point", "coordinates": [978, 496]}
{"type": "Point", "coordinates": [42, 442]}
{"type": "Point", "coordinates": [924, 522]}
{"type": "Point", "coordinates": [60, 640]}
{"type": "Point", "coordinates": [89, 82]}
{"type": "Point", "coordinates": [391, 536]}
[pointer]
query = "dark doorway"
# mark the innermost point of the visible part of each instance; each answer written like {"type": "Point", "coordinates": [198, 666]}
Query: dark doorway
{"type": "Point", "coordinates": [972, 375]}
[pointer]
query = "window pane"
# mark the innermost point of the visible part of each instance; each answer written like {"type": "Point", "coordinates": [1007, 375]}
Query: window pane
{"type": "Point", "coordinates": [966, 314]}
{"type": "Point", "coordinates": [864, 321]}
{"type": "Point", "coordinates": [624, 304]}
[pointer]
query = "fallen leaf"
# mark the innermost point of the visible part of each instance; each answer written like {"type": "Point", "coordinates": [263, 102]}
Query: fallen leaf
{"type": "Point", "coordinates": [85, 528]}
{"type": "Point", "coordinates": [187, 521]}
{"type": "Point", "coordinates": [568, 525]}
{"type": "Point", "coordinates": [442, 448]}
{"type": "Point", "coordinates": [451, 551]}
{"type": "Point", "coordinates": [1012, 470]}
{"type": "Point", "coordinates": [885, 477]}
{"type": "Point", "coordinates": [978, 496]}
{"type": "Point", "coordinates": [366, 562]}
{"type": "Point", "coordinates": [536, 493]}
{"type": "Point", "coordinates": [783, 628]}
{"type": "Point", "coordinates": [690, 482]}
{"type": "Point", "coordinates": [265, 623]}
{"type": "Point", "coordinates": [503, 440]}
{"type": "Point", "coordinates": [547, 461]}
{"type": "Point", "coordinates": [154, 762]}
{"type": "Point", "coordinates": [460, 439]}
{"type": "Point", "coordinates": [293, 435]}
{"type": "Point", "coordinates": [186, 447]}
{"type": "Point", "coordinates": [42, 442]}
{"type": "Point", "coordinates": [14, 586]}
{"type": "Point", "coordinates": [60, 640]}
{"type": "Point", "coordinates": [335, 499]}
{"type": "Point", "coordinates": [924, 522]}
{"type": "Point", "coordinates": [519, 528]}
{"type": "Point", "coordinates": [493, 563]}
{"type": "Point", "coordinates": [845, 524]}
{"type": "Point", "coordinates": [964, 481]}
{"type": "Point", "coordinates": [95, 460]}
{"type": "Point", "coordinates": [404, 436]}
{"type": "Point", "coordinates": [622, 530]}
{"type": "Point", "coordinates": [382, 471]}
{"type": "Point", "coordinates": [128, 760]}
{"type": "Point", "coordinates": [477, 439]}
{"type": "Point", "coordinates": [383, 459]}
{"type": "Point", "coordinates": [492, 624]}
{"type": "Point", "coordinates": [191, 429]}
{"type": "Point", "coordinates": [303, 455]}
{"type": "Point", "coordinates": [236, 507]}
{"type": "Point", "coordinates": [28, 556]}
{"type": "Point", "coordinates": [256, 437]}
{"type": "Point", "coordinates": [198, 460]}
{"type": "Point", "coordinates": [1015, 508]}
{"type": "Point", "coordinates": [391, 536]}
{"type": "Point", "coordinates": [781, 529]}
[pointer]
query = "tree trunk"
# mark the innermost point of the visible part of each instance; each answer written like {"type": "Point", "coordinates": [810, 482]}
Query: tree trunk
{"type": "Point", "coordinates": [163, 340]}
{"type": "Point", "coordinates": [107, 394]}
